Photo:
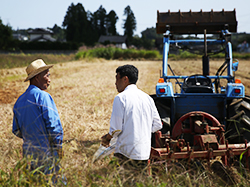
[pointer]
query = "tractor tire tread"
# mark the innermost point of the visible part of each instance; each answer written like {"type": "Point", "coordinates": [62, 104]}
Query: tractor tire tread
{"type": "Point", "coordinates": [238, 123]}
{"type": "Point", "coordinates": [246, 121]}
{"type": "Point", "coordinates": [239, 114]}
{"type": "Point", "coordinates": [245, 105]}
{"type": "Point", "coordinates": [235, 101]}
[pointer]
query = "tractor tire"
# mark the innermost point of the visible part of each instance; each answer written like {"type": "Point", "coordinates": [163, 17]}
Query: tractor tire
{"type": "Point", "coordinates": [238, 122]}
{"type": "Point", "coordinates": [164, 109]}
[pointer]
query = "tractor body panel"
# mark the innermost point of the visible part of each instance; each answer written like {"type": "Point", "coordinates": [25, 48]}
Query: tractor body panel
{"type": "Point", "coordinates": [211, 104]}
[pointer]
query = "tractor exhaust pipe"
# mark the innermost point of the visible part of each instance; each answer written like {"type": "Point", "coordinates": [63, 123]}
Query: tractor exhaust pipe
{"type": "Point", "coordinates": [205, 64]}
{"type": "Point", "coordinates": [205, 58]}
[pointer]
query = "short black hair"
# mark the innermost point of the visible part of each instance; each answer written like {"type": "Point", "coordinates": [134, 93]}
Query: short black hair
{"type": "Point", "coordinates": [130, 71]}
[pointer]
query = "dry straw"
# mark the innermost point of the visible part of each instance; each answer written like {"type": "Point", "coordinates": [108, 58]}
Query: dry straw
{"type": "Point", "coordinates": [84, 93]}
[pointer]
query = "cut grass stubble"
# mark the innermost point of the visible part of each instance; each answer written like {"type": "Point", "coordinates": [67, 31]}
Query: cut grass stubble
{"type": "Point", "coordinates": [84, 93]}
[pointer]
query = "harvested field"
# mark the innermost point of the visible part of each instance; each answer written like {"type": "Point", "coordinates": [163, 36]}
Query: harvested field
{"type": "Point", "coordinates": [84, 93]}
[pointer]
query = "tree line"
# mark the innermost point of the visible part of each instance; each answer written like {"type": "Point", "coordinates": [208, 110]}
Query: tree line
{"type": "Point", "coordinates": [81, 27]}
{"type": "Point", "coordinates": [86, 27]}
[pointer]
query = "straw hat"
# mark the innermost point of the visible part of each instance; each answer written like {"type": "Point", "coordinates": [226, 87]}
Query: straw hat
{"type": "Point", "coordinates": [35, 68]}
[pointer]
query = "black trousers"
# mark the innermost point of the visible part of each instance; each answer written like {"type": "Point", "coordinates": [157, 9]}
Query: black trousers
{"type": "Point", "coordinates": [126, 162]}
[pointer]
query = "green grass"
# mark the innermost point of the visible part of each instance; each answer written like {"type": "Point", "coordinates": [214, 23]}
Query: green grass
{"type": "Point", "coordinates": [111, 174]}
{"type": "Point", "coordinates": [110, 53]}
{"type": "Point", "coordinates": [12, 78]}
{"type": "Point", "coordinates": [21, 60]}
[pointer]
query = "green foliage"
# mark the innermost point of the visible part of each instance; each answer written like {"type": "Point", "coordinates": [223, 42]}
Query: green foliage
{"type": "Point", "coordinates": [117, 53]}
{"type": "Point", "coordinates": [86, 27]}
{"type": "Point", "coordinates": [186, 54]}
{"type": "Point", "coordinates": [151, 54]}
{"type": "Point", "coordinates": [23, 175]}
{"type": "Point", "coordinates": [219, 55]}
{"type": "Point", "coordinates": [110, 53]}
{"type": "Point", "coordinates": [239, 38]}
{"type": "Point", "coordinates": [47, 45]}
{"type": "Point", "coordinates": [235, 55]}
{"type": "Point", "coordinates": [22, 60]}
{"type": "Point", "coordinates": [129, 23]}
{"type": "Point", "coordinates": [99, 21]}
{"type": "Point", "coordinates": [106, 53]}
{"type": "Point", "coordinates": [16, 45]}
{"type": "Point", "coordinates": [149, 39]}
{"type": "Point", "coordinates": [58, 33]}
{"type": "Point", "coordinates": [143, 42]}
{"type": "Point", "coordinates": [150, 33]}
{"type": "Point", "coordinates": [5, 36]}
{"type": "Point", "coordinates": [111, 22]}
{"type": "Point", "coordinates": [20, 175]}
{"type": "Point", "coordinates": [242, 55]}
{"type": "Point", "coordinates": [77, 26]}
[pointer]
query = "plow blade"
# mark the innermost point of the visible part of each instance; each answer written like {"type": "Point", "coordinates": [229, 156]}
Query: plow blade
{"type": "Point", "coordinates": [224, 151]}
{"type": "Point", "coordinates": [195, 22]}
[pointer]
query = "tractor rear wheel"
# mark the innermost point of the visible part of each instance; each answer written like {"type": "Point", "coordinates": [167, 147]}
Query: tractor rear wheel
{"type": "Point", "coordinates": [238, 122]}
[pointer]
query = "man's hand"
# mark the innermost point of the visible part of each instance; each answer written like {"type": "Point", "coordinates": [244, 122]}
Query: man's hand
{"type": "Point", "coordinates": [106, 140]}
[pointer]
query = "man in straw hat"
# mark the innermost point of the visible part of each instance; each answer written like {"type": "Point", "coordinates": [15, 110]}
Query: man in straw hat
{"type": "Point", "coordinates": [36, 120]}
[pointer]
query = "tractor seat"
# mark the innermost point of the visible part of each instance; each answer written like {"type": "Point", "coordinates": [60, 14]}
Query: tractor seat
{"type": "Point", "coordinates": [197, 84]}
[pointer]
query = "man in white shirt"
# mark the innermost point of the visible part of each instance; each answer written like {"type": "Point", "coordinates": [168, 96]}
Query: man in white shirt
{"type": "Point", "coordinates": [135, 114]}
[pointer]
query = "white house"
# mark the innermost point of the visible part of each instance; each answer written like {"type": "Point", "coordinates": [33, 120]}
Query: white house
{"type": "Point", "coordinates": [119, 41]}
{"type": "Point", "coordinates": [41, 35]}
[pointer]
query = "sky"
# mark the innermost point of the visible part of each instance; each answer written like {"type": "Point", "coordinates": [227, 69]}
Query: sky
{"type": "Point", "coordinates": [24, 14]}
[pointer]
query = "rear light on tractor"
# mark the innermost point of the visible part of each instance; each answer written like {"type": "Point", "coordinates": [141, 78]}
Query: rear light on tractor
{"type": "Point", "coordinates": [236, 90]}
{"type": "Point", "coordinates": [162, 90]}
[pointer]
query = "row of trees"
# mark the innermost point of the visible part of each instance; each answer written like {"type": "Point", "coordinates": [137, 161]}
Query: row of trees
{"type": "Point", "coordinates": [87, 27]}
{"type": "Point", "coordinates": [83, 27]}
{"type": "Point", "coordinates": [5, 35]}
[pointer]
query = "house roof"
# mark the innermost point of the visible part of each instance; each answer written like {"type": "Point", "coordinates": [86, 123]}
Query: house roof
{"type": "Point", "coordinates": [40, 31]}
{"type": "Point", "coordinates": [113, 39]}
{"type": "Point", "coordinates": [42, 38]}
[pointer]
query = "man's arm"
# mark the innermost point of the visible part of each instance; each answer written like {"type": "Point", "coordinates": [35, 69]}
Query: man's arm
{"type": "Point", "coordinates": [157, 123]}
{"type": "Point", "coordinates": [116, 121]}
{"type": "Point", "coordinates": [15, 127]}
{"type": "Point", "coordinates": [52, 123]}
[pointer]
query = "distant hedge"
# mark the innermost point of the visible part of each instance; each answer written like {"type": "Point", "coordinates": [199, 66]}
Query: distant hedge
{"type": "Point", "coordinates": [110, 53]}
{"type": "Point", "coordinates": [188, 55]}
{"type": "Point", "coordinates": [26, 45]}
{"type": "Point", "coordinates": [22, 60]}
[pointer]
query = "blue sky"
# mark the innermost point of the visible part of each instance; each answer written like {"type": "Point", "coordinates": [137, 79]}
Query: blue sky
{"type": "Point", "coordinates": [24, 14]}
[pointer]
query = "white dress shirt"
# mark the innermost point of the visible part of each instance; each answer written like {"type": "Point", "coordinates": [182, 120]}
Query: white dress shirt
{"type": "Point", "coordinates": [135, 114]}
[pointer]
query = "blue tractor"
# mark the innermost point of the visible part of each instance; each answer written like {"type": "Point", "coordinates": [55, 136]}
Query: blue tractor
{"type": "Point", "coordinates": [203, 118]}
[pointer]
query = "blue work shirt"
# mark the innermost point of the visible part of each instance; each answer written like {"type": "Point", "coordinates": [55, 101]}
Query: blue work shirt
{"type": "Point", "coordinates": [36, 121]}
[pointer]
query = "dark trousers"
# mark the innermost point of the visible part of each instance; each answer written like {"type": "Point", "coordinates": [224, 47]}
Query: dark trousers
{"type": "Point", "coordinates": [129, 163]}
